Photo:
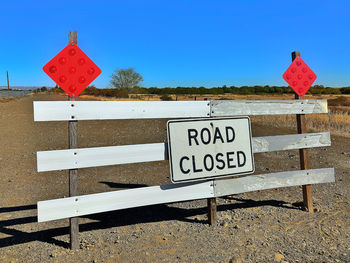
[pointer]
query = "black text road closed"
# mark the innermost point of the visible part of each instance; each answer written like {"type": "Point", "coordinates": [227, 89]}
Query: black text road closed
{"type": "Point", "coordinates": [208, 148]}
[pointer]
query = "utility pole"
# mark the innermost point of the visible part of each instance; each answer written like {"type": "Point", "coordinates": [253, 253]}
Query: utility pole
{"type": "Point", "coordinates": [8, 81]}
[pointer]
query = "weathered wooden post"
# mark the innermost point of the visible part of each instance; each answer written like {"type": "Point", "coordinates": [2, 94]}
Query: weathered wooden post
{"type": "Point", "coordinates": [82, 71]}
{"type": "Point", "coordinates": [73, 173]}
{"type": "Point", "coordinates": [211, 204]}
{"type": "Point", "coordinates": [303, 153]}
{"type": "Point", "coordinates": [211, 210]}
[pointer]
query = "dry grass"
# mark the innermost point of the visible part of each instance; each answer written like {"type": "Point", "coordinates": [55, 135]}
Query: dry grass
{"type": "Point", "coordinates": [92, 97]}
{"type": "Point", "coordinates": [6, 99]}
{"type": "Point", "coordinates": [337, 121]}
{"type": "Point", "coordinates": [154, 97]}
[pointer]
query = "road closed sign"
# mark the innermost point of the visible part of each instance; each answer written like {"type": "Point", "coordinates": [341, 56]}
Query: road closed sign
{"type": "Point", "coordinates": [202, 149]}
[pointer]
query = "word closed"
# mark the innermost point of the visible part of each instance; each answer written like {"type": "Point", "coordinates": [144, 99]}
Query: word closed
{"type": "Point", "coordinates": [207, 148]}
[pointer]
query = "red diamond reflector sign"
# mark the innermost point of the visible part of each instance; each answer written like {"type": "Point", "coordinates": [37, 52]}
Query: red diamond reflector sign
{"type": "Point", "coordinates": [72, 70]}
{"type": "Point", "coordinates": [299, 76]}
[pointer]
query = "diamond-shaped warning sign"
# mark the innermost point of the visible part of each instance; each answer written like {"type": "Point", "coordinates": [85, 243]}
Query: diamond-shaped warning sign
{"type": "Point", "coordinates": [72, 70]}
{"type": "Point", "coordinates": [299, 76]}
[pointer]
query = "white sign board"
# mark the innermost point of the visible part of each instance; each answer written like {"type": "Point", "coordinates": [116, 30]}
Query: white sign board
{"type": "Point", "coordinates": [208, 148]}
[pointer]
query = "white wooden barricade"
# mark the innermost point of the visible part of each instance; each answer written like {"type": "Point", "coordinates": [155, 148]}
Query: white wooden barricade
{"type": "Point", "coordinates": [113, 155]}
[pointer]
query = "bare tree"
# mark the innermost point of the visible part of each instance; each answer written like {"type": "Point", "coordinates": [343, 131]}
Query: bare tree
{"type": "Point", "coordinates": [125, 79]}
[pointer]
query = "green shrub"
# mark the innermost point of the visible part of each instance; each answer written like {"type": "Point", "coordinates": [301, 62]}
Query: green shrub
{"type": "Point", "coordinates": [165, 97]}
{"type": "Point", "coordinates": [116, 93]}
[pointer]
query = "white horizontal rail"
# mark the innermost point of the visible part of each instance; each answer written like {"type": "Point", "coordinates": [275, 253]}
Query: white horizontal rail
{"type": "Point", "coordinates": [291, 142]}
{"type": "Point", "coordinates": [107, 110]}
{"type": "Point", "coordinates": [273, 180]}
{"type": "Point", "coordinates": [117, 200]}
{"type": "Point", "coordinates": [267, 107]}
{"type": "Point", "coordinates": [113, 155]}
{"type": "Point", "coordinates": [100, 156]}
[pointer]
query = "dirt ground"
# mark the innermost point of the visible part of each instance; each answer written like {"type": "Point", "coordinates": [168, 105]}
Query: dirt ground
{"type": "Point", "coordinates": [264, 226]}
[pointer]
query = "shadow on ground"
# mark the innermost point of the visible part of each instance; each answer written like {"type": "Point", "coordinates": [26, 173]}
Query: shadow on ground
{"type": "Point", "coordinates": [155, 213]}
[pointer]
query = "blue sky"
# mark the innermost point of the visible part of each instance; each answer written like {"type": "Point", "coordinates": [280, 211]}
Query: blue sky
{"type": "Point", "coordinates": [179, 43]}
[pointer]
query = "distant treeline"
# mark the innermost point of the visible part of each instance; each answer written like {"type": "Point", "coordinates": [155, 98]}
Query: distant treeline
{"type": "Point", "coordinates": [244, 90]}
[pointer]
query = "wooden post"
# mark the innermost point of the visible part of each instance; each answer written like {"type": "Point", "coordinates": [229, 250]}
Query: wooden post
{"type": "Point", "coordinates": [73, 173]}
{"type": "Point", "coordinates": [8, 80]}
{"type": "Point", "coordinates": [211, 203]}
{"type": "Point", "coordinates": [304, 153]}
{"type": "Point", "coordinates": [212, 211]}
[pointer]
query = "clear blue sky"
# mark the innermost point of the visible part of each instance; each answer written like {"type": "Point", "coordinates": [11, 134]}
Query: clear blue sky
{"type": "Point", "coordinates": [179, 43]}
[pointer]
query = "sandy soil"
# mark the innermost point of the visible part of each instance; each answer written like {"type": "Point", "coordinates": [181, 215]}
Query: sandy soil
{"type": "Point", "coordinates": [266, 226]}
